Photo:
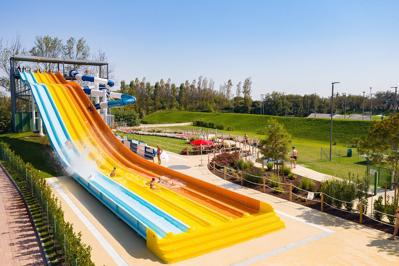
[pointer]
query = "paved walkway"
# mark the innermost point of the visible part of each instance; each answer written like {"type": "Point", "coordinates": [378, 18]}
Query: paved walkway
{"type": "Point", "coordinates": [299, 169]}
{"type": "Point", "coordinates": [18, 242]}
{"type": "Point", "coordinates": [310, 237]}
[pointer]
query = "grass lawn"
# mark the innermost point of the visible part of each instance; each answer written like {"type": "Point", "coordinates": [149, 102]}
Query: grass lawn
{"type": "Point", "coordinates": [304, 128]}
{"type": "Point", "coordinates": [169, 144]}
{"type": "Point", "coordinates": [34, 149]}
{"type": "Point", "coordinates": [310, 136]}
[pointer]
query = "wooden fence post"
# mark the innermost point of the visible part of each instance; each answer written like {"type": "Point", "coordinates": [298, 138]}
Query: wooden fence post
{"type": "Point", "coordinates": [264, 184]}
{"type": "Point", "coordinates": [224, 172]}
{"type": "Point", "coordinates": [321, 202]}
{"type": "Point", "coordinates": [290, 191]}
{"type": "Point", "coordinates": [360, 212]}
{"type": "Point", "coordinates": [241, 173]}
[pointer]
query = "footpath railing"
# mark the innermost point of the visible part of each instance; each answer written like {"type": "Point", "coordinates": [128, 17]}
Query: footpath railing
{"type": "Point", "coordinates": [293, 192]}
{"type": "Point", "coordinates": [61, 232]}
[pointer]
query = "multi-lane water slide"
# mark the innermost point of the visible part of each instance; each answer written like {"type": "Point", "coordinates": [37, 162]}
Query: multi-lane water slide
{"type": "Point", "coordinates": [181, 218]}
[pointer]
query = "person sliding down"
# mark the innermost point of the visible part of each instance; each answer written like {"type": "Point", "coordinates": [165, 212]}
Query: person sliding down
{"type": "Point", "coordinates": [152, 183]}
{"type": "Point", "coordinates": [113, 172]}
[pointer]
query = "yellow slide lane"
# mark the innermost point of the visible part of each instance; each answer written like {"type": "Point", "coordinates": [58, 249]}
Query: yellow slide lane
{"type": "Point", "coordinates": [218, 198]}
{"type": "Point", "coordinates": [216, 216]}
{"type": "Point", "coordinates": [189, 212]}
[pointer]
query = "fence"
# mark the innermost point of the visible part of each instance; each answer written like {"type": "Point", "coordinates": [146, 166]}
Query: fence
{"type": "Point", "coordinates": [74, 251]}
{"type": "Point", "coordinates": [379, 177]}
{"type": "Point", "coordinates": [291, 191]}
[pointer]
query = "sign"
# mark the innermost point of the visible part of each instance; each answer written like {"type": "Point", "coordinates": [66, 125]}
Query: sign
{"type": "Point", "coordinates": [141, 149]}
{"type": "Point", "coordinates": [310, 196]}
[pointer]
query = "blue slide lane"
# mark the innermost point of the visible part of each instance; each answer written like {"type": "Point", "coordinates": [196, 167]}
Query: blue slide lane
{"type": "Point", "coordinates": [131, 208]}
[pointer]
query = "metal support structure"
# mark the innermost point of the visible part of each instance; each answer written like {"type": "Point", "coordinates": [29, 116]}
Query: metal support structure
{"type": "Point", "coordinates": [13, 95]}
{"type": "Point", "coordinates": [19, 92]}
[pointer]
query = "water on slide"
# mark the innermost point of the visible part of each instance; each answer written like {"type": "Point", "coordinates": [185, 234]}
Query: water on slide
{"type": "Point", "coordinates": [190, 204]}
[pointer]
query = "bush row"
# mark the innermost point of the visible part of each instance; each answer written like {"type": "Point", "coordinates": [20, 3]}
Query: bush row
{"type": "Point", "coordinates": [75, 252]}
{"type": "Point", "coordinates": [200, 123]}
{"type": "Point", "coordinates": [381, 209]}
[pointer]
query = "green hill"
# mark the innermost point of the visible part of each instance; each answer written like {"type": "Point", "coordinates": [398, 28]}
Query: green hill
{"type": "Point", "coordinates": [305, 128]}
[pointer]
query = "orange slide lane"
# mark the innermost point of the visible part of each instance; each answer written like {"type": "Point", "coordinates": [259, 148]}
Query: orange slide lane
{"type": "Point", "coordinates": [218, 198]}
{"type": "Point", "coordinates": [85, 134]}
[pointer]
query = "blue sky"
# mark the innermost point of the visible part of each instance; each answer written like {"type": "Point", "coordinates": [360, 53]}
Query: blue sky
{"type": "Point", "coordinates": [290, 46]}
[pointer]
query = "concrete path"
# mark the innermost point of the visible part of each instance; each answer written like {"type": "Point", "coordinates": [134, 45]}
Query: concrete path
{"type": "Point", "coordinates": [310, 237]}
{"type": "Point", "coordinates": [18, 242]}
{"type": "Point", "coordinates": [312, 174]}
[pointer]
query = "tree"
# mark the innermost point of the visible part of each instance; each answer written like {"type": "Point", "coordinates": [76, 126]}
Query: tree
{"type": "Point", "coordinates": [246, 90]}
{"type": "Point", "coordinates": [5, 114]}
{"type": "Point", "coordinates": [381, 145]}
{"type": "Point", "coordinates": [229, 85]}
{"type": "Point", "coordinates": [8, 50]}
{"type": "Point", "coordinates": [78, 50]}
{"type": "Point", "coordinates": [276, 143]}
{"type": "Point", "coordinates": [47, 46]}
{"type": "Point", "coordinates": [238, 89]}
{"type": "Point", "coordinates": [173, 103]}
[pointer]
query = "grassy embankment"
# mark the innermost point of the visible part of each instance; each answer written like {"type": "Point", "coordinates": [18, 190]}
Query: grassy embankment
{"type": "Point", "coordinates": [310, 136]}
{"type": "Point", "coordinates": [34, 149]}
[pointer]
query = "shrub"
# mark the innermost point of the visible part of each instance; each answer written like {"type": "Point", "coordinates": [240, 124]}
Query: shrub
{"type": "Point", "coordinates": [286, 170]}
{"type": "Point", "coordinates": [227, 159]}
{"type": "Point", "coordinates": [342, 190]}
{"type": "Point", "coordinates": [379, 208]}
{"type": "Point", "coordinates": [390, 209]}
{"type": "Point", "coordinates": [184, 151]}
{"type": "Point", "coordinates": [269, 166]}
{"type": "Point", "coordinates": [126, 114]}
{"type": "Point", "coordinates": [332, 189]}
{"type": "Point", "coordinates": [291, 176]}
{"type": "Point", "coordinates": [25, 175]}
{"type": "Point", "coordinates": [244, 165]}
{"type": "Point", "coordinates": [200, 123]}
{"type": "Point", "coordinates": [307, 184]}
{"type": "Point", "coordinates": [275, 183]}
{"type": "Point", "coordinates": [348, 193]}
{"type": "Point", "coordinates": [253, 177]}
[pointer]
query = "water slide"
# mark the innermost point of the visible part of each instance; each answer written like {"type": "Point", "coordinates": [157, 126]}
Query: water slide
{"type": "Point", "coordinates": [181, 218]}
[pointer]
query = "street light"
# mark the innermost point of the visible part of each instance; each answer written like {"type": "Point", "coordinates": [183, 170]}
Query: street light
{"type": "Point", "coordinates": [262, 97]}
{"type": "Point", "coordinates": [363, 105]}
{"type": "Point", "coordinates": [371, 103]}
{"type": "Point", "coordinates": [331, 115]}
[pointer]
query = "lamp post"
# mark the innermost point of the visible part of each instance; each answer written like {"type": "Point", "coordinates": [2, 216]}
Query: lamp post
{"type": "Point", "coordinates": [331, 115]}
{"type": "Point", "coordinates": [371, 103]}
{"type": "Point", "coordinates": [363, 106]}
{"type": "Point", "coordinates": [395, 100]}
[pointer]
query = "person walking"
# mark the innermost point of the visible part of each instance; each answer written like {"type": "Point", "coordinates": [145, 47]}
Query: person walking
{"type": "Point", "coordinates": [159, 152]}
{"type": "Point", "coordinates": [396, 228]}
{"type": "Point", "coordinates": [294, 157]}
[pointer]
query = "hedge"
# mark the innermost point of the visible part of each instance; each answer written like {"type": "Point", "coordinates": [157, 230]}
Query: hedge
{"type": "Point", "coordinates": [75, 251]}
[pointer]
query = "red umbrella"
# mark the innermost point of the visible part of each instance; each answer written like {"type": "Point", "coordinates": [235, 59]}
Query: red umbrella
{"type": "Point", "coordinates": [199, 142]}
